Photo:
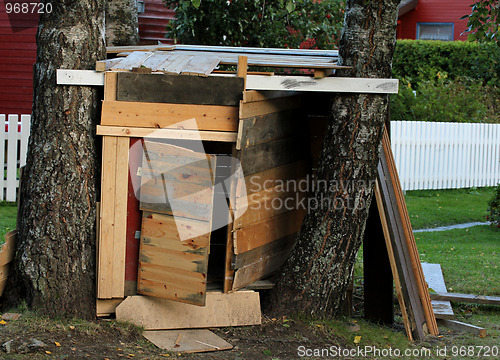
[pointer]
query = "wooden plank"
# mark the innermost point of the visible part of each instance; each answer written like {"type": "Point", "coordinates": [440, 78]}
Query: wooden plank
{"type": "Point", "coordinates": [8, 249]}
{"type": "Point", "coordinates": [135, 59]}
{"type": "Point", "coordinates": [177, 134]}
{"type": "Point", "coordinates": [107, 307]}
{"type": "Point", "coordinates": [240, 308]}
{"type": "Point", "coordinates": [269, 155]}
{"type": "Point", "coordinates": [179, 89]}
{"type": "Point", "coordinates": [155, 115]}
{"type": "Point", "coordinates": [266, 179]}
{"type": "Point", "coordinates": [252, 256]}
{"type": "Point", "coordinates": [461, 326]}
{"type": "Point", "coordinates": [242, 68]}
{"type": "Point", "coordinates": [260, 285]}
{"type": "Point", "coordinates": [155, 60]}
{"type": "Point", "coordinates": [201, 65]}
{"type": "Point", "coordinates": [110, 83]}
{"type": "Point", "coordinates": [404, 306]}
{"type": "Point", "coordinates": [120, 221]}
{"type": "Point", "coordinates": [327, 84]}
{"type": "Point", "coordinates": [79, 77]}
{"type": "Point", "coordinates": [106, 231]}
{"type": "Point", "coordinates": [267, 230]}
{"type": "Point", "coordinates": [187, 341]}
{"type": "Point", "coordinates": [263, 267]}
{"type": "Point", "coordinates": [268, 127]}
{"type": "Point", "coordinates": [411, 245]}
{"type": "Point", "coordinates": [228, 269]}
{"type": "Point", "coordinates": [266, 204]}
{"type": "Point", "coordinates": [254, 95]}
{"type": "Point", "coordinates": [435, 281]}
{"type": "Point", "coordinates": [104, 65]}
{"type": "Point", "coordinates": [264, 107]}
{"type": "Point", "coordinates": [466, 298]}
{"type": "Point", "coordinates": [175, 63]}
{"type": "Point", "coordinates": [173, 259]}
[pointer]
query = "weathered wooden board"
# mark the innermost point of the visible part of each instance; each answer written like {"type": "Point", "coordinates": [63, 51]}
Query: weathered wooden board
{"type": "Point", "coordinates": [107, 307]}
{"type": "Point", "coordinates": [435, 280]}
{"type": "Point", "coordinates": [327, 84]}
{"type": "Point", "coordinates": [267, 127]}
{"type": "Point", "coordinates": [467, 298]}
{"type": "Point", "coordinates": [271, 154]}
{"type": "Point", "coordinates": [175, 134]}
{"type": "Point", "coordinates": [179, 89]}
{"type": "Point", "coordinates": [461, 326]}
{"type": "Point", "coordinates": [266, 231]}
{"type": "Point", "coordinates": [177, 181]}
{"type": "Point", "coordinates": [133, 60]}
{"type": "Point", "coordinates": [254, 95]}
{"type": "Point", "coordinates": [173, 259]}
{"type": "Point", "coordinates": [187, 341]}
{"type": "Point", "coordinates": [240, 308]}
{"type": "Point", "coordinates": [252, 256]}
{"type": "Point", "coordinates": [273, 105]}
{"type": "Point", "coordinates": [173, 116]}
{"type": "Point", "coordinates": [201, 65]}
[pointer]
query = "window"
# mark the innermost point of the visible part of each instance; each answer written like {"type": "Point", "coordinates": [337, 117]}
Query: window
{"type": "Point", "coordinates": [435, 31]}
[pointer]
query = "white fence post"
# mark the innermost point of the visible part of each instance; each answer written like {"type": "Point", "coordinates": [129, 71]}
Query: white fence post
{"type": "Point", "coordinates": [432, 155]}
{"type": "Point", "coordinates": [16, 144]}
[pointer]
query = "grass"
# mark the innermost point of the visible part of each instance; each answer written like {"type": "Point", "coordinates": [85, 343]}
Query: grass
{"type": "Point", "coordinates": [8, 214]}
{"type": "Point", "coordinates": [469, 258]}
{"type": "Point", "coordinates": [433, 208]}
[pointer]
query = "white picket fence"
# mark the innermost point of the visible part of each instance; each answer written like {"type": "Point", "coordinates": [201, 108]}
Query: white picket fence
{"type": "Point", "coordinates": [428, 155]}
{"type": "Point", "coordinates": [433, 155]}
{"type": "Point", "coordinates": [14, 133]}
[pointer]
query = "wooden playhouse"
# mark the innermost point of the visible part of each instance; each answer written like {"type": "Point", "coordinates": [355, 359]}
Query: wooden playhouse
{"type": "Point", "coordinates": [198, 172]}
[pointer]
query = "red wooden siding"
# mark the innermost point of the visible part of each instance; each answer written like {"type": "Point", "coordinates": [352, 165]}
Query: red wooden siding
{"type": "Point", "coordinates": [17, 56]}
{"type": "Point", "coordinates": [435, 11]}
{"type": "Point", "coordinates": [153, 22]}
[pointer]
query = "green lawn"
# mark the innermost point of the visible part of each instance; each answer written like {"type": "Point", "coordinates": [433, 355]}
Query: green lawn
{"type": "Point", "coordinates": [433, 208]}
{"type": "Point", "coordinates": [8, 214]}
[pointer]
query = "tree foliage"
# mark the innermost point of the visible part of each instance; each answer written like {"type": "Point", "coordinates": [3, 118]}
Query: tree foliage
{"type": "Point", "coordinates": [261, 23]}
{"type": "Point", "coordinates": [482, 24]}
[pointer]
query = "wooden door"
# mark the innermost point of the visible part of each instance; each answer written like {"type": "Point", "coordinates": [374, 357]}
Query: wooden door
{"type": "Point", "coordinates": [177, 200]}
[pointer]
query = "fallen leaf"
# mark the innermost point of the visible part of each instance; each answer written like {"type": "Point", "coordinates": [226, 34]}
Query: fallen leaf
{"type": "Point", "coordinates": [72, 327]}
{"type": "Point", "coordinates": [357, 339]}
{"type": "Point", "coordinates": [132, 355]}
{"type": "Point", "coordinates": [56, 343]}
{"type": "Point", "coordinates": [48, 352]}
{"type": "Point", "coordinates": [3, 322]}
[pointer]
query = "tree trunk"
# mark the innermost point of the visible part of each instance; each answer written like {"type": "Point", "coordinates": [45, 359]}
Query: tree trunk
{"type": "Point", "coordinates": [122, 26]}
{"type": "Point", "coordinates": [54, 267]}
{"type": "Point", "coordinates": [316, 276]}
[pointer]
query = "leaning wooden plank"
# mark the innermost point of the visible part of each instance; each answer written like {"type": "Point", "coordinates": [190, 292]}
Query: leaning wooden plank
{"type": "Point", "coordinates": [177, 134]}
{"type": "Point", "coordinates": [8, 249]}
{"type": "Point", "coordinates": [120, 221]}
{"type": "Point", "coordinates": [435, 281]}
{"type": "Point", "coordinates": [201, 65]}
{"type": "Point", "coordinates": [407, 232]}
{"type": "Point", "coordinates": [173, 116]}
{"type": "Point", "coordinates": [79, 77]}
{"type": "Point", "coordinates": [328, 84]}
{"type": "Point", "coordinates": [461, 326]}
{"type": "Point", "coordinates": [267, 127]}
{"type": "Point", "coordinates": [467, 298]}
{"type": "Point", "coordinates": [187, 341]}
{"type": "Point", "coordinates": [107, 213]}
{"type": "Point", "coordinates": [398, 246]}
{"type": "Point", "coordinates": [264, 107]}
{"type": "Point", "coordinates": [240, 308]}
{"type": "Point", "coordinates": [179, 89]}
{"type": "Point", "coordinates": [267, 230]}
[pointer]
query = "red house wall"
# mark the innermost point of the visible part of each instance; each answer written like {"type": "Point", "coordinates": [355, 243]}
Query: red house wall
{"type": "Point", "coordinates": [153, 22]}
{"type": "Point", "coordinates": [17, 56]}
{"type": "Point", "coordinates": [435, 11]}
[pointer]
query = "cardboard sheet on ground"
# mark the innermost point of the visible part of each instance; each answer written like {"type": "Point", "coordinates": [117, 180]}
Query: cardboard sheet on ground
{"type": "Point", "coordinates": [187, 341]}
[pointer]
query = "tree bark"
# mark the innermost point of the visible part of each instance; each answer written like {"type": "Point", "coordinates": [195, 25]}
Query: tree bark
{"type": "Point", "coordinates": [316, 276]}
{"type": "Point", "coordinates": [122, 24]}
{"type": "Point", "coordinates": [54, 267]}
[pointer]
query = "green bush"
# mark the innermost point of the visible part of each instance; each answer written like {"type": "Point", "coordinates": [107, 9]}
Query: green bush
{"type": "Point", "coordinates": [285, 24]}
{"type": "Point", "coordinates": [494, 208]}
{"type": "Point", "coordinates": [446, 81]}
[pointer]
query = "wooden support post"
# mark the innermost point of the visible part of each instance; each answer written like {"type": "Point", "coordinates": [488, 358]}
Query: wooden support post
{"type": "Point", "coordinates": [243, 68]}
